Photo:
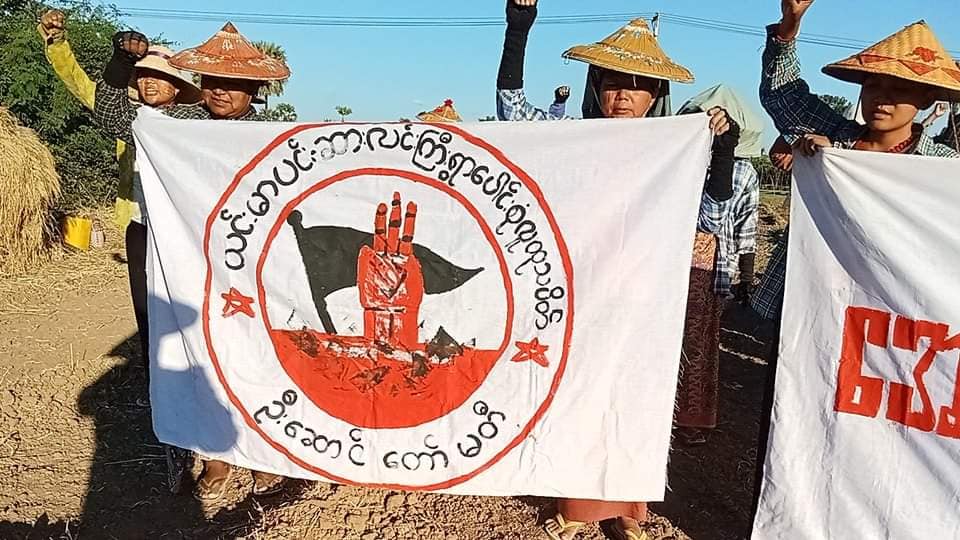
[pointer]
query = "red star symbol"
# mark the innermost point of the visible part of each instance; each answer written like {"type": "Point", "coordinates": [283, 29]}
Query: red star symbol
{"type": "Point", "coordinates": [237, 303]}
{"type": "Point", "coordinates": [532, 352]}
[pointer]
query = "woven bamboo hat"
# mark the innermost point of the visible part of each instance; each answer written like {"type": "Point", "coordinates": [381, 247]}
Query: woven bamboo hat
{"type": "Point", "coordinates": [914, 54]}
{"type": "Point", "coordinates": [443, 113]}
{"type": "Point", "coordinates": [228, 54]}
{"type": "Point", "coordinates": [632, 49]}
{"type": "Point", "coordinates": [158, 59]}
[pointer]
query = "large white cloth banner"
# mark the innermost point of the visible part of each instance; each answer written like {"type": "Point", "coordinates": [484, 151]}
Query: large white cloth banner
{"type": "Point", "coordinates": [865, 441]}
{"type": "Point", "coordinates": [488, 309]}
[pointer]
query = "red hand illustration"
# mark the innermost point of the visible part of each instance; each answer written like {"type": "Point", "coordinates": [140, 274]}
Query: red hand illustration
{"type": "Point", "coordinates": [390, 279]}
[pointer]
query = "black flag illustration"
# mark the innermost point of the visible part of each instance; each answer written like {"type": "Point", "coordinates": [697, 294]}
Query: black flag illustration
{"type": "Point", "coordinates": [330, 255]}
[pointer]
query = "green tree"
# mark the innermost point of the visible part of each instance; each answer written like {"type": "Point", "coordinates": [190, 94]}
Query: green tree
{"type": "Point", "coordinates": [30, 89]}
{"type": "Point", "coordinates": [343, 111]}
{"type": "Point", "coordinates": [273, 50]}
{"type": "Point", "coordinates": [838, 103]}
{"type": "Point", "coordinates": [282, 112]}
{"type": "Point", "coordinates": [488, 118]}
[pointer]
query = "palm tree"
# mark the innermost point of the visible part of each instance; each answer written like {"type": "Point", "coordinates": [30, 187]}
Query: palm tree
{"type": "Point", "coordinates": [272, 88]}
{"type": "Point", "coordinates": [344, 112]}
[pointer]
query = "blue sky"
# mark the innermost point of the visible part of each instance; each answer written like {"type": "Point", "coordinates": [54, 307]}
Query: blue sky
{"type": "Point", "coordinates": [384, 74]}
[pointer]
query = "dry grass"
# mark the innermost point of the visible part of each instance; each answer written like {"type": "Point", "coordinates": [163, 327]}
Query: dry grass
{"type": "Point", "coordinates": [59, 271]}
{"type": "Point", "coordinates": [29, 184]}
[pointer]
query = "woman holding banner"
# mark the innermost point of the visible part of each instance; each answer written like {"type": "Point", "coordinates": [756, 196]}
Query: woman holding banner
{"type": "Point", "coordinates": [232, 72]}
{"type": "Point", "coordinates": [629, 77]}
{"type": "Point", "coordinates": [718, 258]}
{"type": "Point", "coordinates": [900, 76]}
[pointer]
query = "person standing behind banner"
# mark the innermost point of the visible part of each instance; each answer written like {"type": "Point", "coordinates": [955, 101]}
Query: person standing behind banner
{"type": "Point", "coordinates": [629, 77]}
{"type": "Point", "coordinates": [950, 136]}
{"type": "Point", "coordinates": [714, 270]}
{"type": "Point", "coordinates": [159, 86]}
{"type": "Point", "coordinates": [232, 72]}
{"type": "Point", "coordinates": [892, 95]}
{"type": "Point", "coordinates": [59, 53]}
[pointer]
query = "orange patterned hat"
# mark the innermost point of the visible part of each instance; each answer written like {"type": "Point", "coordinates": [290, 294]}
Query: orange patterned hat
{"type": "Point", "coordinates": [228, 54]}
{"type": "Point", "coordinates": [443, 113]}
{"type": "Point", "coordinates": [914, 54]}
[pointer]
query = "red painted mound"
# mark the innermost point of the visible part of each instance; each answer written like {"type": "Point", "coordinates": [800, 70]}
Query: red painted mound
{"type": "Point", "coordinates": [372, 386]}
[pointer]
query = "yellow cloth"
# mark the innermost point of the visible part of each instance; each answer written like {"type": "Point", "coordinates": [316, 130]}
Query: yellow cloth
{"type": "Point", "coordinates": [65, 65]}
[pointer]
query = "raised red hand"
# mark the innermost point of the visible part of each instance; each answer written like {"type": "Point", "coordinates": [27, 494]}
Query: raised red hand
{"type": "Point", "coordinates": [390, 279]}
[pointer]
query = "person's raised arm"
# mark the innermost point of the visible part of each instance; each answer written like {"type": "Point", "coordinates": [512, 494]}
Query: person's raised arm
{"type": "Point", "coordinates": [512, 102]}
{"type": "Point", "coordinates": [113, 112]}
{"type": "Point", "coordinates": [786, 97]}
{"type": "Point", "coordinates": [52, 29]}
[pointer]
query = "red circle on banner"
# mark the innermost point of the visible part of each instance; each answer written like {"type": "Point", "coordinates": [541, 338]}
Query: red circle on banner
{"type": "Point", "coordinates": [246, 415]}
{"type": "Point", "coordinates": [340, 384]}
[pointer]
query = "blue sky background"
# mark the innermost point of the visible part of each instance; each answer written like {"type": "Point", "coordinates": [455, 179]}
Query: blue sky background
{"type": "Point", "coordinates": [385, 74]}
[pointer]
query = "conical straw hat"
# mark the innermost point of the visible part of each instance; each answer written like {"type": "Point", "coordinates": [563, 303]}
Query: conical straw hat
{"type": "Point", "coordinates": [158, 59]}
{"type": "Point", "coordinates": [228, 54]}
{"type": "Point", "coordinates": [443, 113]}
{"type": "Point", "coordinates": [632, 49]}
{"type": "Point", "coordinates": [914, 54]}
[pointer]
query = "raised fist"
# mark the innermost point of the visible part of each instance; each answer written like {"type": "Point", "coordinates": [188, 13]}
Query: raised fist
{"type": "Point", "coordinates": [52, 25]}
{"type": "Point", "coordinates": [390, 279]}
{"type": "Point", "coordinates": [561, 94]}
{"type": "Point", "coordinates": [521, 14]}
{"type": "Point", "coordinates": [132, 44]}
{"type": "Point", "coordinates": [793, 10]}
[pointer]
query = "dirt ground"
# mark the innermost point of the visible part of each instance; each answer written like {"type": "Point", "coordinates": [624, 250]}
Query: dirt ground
{"type": "Point", "coordinates": [78, 458]}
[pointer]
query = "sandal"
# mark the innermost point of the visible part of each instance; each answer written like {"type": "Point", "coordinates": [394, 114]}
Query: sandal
{"type": "Point", "coordinates": [558, 528]}
{"type": "Point", "coordinates": [267, 484]}
{"type": "Point", "coordinates": [212, 486]}
{"type": "Point", "coordinates": [628, 529]}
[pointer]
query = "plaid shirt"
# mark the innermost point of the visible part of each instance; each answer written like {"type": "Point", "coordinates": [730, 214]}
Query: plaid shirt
{"type": "Point", "coordinates": [796, 111]}
{"type": "Point", "coordinates": [734, 222]}
{"type": "Point", "coordinates": [512, 106]}
{"type": "Point", "coordinates": [114, 113]}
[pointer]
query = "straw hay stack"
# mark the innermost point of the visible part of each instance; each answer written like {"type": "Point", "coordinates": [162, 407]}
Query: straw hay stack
{"type": "Point", "coordinates": [29, 184]}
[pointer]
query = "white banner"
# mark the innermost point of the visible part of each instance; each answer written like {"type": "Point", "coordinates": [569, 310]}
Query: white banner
{"type": "Point", "coordinates": [489, 309]}
{"type": "Point", "coordinates": [865, 441]}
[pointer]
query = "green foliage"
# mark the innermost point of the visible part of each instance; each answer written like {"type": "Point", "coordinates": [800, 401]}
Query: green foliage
{"type": "Point", "coordinates": [88, 168]}
{"type": "Point", "coordinates": [281, 112]}
{"type": "Point", "coordinates": [343, 111]}
{"type": "Point", "coordinates": [838, 103]}
{"type": "Point", "coordinates": [31, 90]}
{"type": "Point", "coordinates": [272, 88]}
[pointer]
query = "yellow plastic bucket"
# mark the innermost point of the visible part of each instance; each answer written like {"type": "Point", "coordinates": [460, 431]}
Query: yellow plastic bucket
{"type": "Point", "coordinates": [76, 232]}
